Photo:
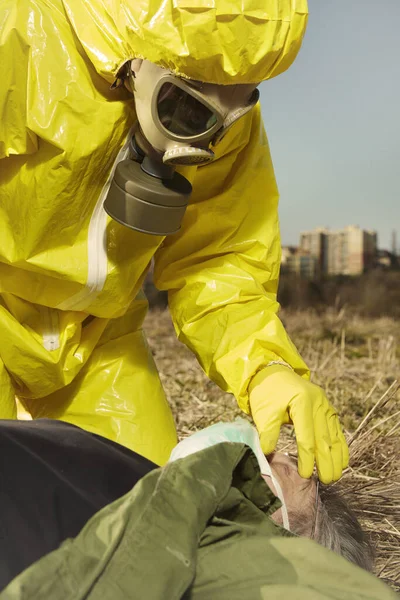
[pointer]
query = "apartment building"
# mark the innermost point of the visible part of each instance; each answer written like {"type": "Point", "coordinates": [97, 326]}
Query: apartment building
{"type": "Point", "coordinates": [298, 262]}
{"type": "Point", "coordinates": [348, 251]}
{"type": "Point", "coordinates": [314, 243]}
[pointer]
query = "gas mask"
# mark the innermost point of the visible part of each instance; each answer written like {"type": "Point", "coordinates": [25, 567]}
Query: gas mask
{"type": "Point", "coordinates": [179, 120]}
{"type": "Point", "coordinates": [240, 431]}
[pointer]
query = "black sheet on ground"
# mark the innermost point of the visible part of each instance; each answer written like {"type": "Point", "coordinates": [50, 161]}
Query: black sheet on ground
{"type": "Point", "coordinates": [53, 478]}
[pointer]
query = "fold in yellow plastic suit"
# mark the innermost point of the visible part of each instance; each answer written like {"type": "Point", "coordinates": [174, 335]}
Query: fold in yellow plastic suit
{"type": "Point", "coordinates": [71, 311]}
{"type": "Point", "coordinates": [218, 41]}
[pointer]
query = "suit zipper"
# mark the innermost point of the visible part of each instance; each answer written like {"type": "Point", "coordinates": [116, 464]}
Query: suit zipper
{"type": "Point", "coordinates": [96, 246]}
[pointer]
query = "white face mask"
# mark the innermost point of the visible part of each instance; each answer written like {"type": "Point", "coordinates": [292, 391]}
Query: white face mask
{"type": "Point", "coordinates": [239, 431]}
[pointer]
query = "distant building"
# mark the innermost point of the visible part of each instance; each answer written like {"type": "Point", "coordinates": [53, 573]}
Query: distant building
{"type": "Point", "coordinates": [387, 260]}
{"type": "Point", "coordinates": [349, 251]}
{"type": "Point", "coordinates": [297, 262]}
{"type": "Point", "coordinates": [315, 243]}
{"type": "Point", "coordinates": [287, 253]}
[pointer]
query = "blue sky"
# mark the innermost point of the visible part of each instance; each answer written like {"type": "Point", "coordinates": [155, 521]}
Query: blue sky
{"type": "Point", "coordinates": [333, 121]}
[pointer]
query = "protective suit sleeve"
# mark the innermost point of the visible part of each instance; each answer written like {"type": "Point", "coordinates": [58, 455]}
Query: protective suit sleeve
{"type": "Point", "coordinates": [222, 269]}
{"type": "Point", "coordinates": [15, 57]}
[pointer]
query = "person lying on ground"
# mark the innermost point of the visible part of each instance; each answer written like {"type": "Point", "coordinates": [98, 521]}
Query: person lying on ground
{"type": "Point", "coordinates": [309, 508]}
{"type": "Point", "coordinates": [204, 526]}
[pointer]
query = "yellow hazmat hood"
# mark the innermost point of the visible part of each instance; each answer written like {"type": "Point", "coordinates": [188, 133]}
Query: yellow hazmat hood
{"type": "Point", "coordinates": [217, 41]}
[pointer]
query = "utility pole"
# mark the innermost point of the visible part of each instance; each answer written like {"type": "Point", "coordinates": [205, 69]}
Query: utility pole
{"type": "Point", "coordinates": [394, 242]}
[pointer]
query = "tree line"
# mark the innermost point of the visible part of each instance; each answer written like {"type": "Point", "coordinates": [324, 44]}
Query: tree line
{"type": "Point", "coordinates": [374, 294]}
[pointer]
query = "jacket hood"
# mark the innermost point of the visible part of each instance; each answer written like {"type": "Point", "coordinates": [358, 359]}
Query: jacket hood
{"type": "Point", "coordinates": [216, 41]}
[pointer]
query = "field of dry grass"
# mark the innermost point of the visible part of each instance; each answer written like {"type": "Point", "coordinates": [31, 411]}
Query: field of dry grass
{"type": "Point", "coordinates": [357, 361]}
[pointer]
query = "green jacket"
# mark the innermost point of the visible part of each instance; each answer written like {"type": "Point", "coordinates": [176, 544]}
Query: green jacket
{"type": "Point", "coordinates": [198, 528]}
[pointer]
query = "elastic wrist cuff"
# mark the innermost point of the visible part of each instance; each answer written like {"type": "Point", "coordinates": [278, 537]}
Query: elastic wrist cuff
{"type": "Point", "coordinates": [280, 362]}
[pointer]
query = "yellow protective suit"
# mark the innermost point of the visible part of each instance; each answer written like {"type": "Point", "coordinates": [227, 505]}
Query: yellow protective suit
{"type": "Point", "coordinates": [71, 310]}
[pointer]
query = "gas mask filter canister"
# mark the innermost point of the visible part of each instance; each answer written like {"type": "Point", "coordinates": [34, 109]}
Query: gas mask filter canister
{"type": "Point", "coordinates": [178, 120]}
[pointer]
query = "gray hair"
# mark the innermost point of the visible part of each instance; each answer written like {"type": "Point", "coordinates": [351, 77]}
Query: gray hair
{"type": "Point", "coordinates": [337, 527]}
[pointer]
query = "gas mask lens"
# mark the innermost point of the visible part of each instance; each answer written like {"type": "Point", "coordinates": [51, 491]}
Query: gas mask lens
{"type": "Point", "coordinates": [182, 114]}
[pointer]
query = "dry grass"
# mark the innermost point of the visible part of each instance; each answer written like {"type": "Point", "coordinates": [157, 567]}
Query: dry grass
{"type": "Point", "coordinates": [357, 361]}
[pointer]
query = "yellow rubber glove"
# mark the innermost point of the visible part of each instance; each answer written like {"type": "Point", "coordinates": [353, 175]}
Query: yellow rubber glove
{"type": "Point", "coordinates": [277, 396]}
